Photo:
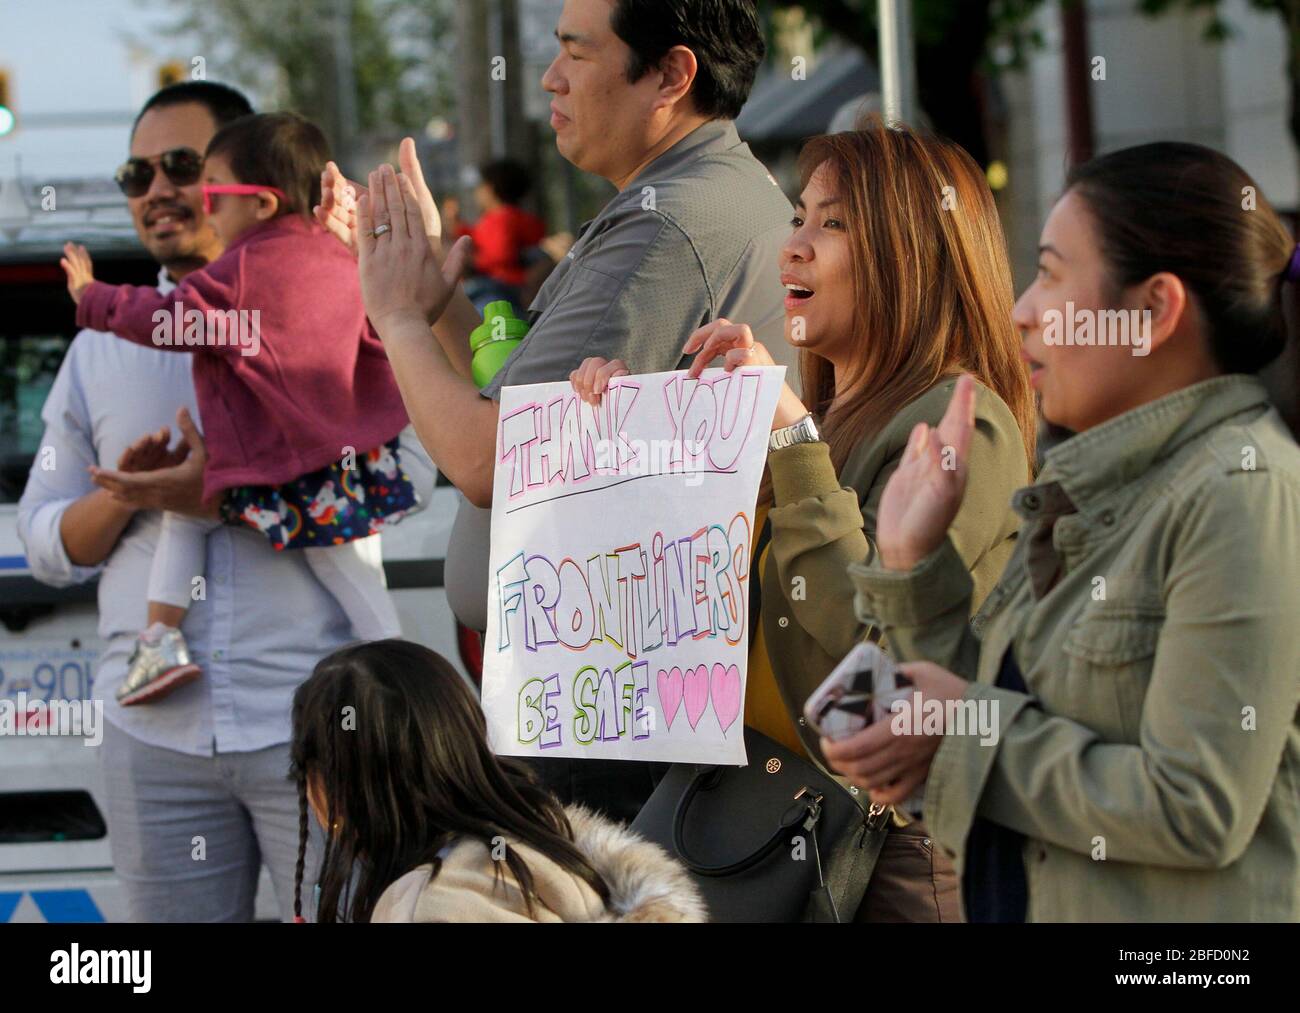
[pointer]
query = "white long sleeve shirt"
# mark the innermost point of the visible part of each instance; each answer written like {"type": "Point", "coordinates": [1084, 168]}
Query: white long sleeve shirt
{"type": "Point", "coordinates": [266, 620]}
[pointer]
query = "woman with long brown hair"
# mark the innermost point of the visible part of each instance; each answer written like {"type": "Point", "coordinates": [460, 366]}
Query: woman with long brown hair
{"type": "Point", "coordinates": [897, 282]}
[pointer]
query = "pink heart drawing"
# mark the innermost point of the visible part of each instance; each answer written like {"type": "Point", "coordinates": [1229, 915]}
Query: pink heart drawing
{"type": "Point", "coordinates": [670, 693]}
{"type": "Point", "coordinates": [725, 686]}
{"type": "Point", "coordinates": [697, 694]}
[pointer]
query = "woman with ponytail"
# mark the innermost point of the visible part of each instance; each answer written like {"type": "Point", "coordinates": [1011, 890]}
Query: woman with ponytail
{"type": "Point", "coordinates": [1140, 657]}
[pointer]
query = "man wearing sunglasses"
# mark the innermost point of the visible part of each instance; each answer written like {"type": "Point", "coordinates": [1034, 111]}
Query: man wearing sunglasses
{"type": "Point", "coordinates": [158, 188]}
{"type": "Point", "coordinates": [196, 784]}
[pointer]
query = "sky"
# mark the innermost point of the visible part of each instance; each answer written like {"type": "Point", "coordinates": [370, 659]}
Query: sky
{"type": "Point", "coordinates": [77, 56]}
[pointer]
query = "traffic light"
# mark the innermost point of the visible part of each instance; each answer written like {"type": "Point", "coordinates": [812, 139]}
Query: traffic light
{"type": "Point", "coordinates": [7, 119]}
{"type": "Point", "coordinates": [170, 73]}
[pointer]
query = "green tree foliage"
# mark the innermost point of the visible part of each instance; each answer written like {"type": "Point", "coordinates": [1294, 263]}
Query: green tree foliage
{"type": "Point", "coordinates": [285, 53]}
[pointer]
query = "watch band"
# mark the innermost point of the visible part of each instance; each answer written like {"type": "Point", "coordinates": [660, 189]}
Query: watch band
{"type": "Point", "coordinates": [803, 431]}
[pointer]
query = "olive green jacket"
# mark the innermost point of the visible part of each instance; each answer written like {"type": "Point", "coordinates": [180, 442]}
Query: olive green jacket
{"type": "Point", "coordinates": [822, 523]}
{"type": "Point", "coordinates": [1153, 607]}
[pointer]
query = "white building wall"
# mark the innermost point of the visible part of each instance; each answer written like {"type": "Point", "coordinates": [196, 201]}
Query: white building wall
{"type": "Point", "coordinates": [1163, 81]}
{"type": "Point", "coordinates": [1256, 104]}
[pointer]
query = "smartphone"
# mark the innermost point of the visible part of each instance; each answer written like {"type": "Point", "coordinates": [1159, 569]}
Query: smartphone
{"type": "Point", "coordinates": [846, 702]}
{"type": "Point", "coordinates": [861, 689]}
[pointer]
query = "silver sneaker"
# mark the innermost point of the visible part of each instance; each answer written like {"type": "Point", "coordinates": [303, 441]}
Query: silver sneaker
{"type": "Point", "coordinates": [156, 668]}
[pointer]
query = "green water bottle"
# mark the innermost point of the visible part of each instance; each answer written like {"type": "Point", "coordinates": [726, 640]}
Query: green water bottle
{"type": "Point", "coordinates": [492, 341]}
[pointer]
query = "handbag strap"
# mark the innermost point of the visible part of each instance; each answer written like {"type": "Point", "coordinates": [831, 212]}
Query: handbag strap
{"type": "Point", "coordinates": [853, 860]}
{"type": "Point", "coordinates": [806, 808]}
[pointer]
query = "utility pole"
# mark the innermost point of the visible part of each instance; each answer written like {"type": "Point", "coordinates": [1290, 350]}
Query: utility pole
{"type": "Point", "coordinates": [345, 99]}
{"type": "Point", "coordinates": [518, 135]}
{"type": "Point", "coordinates": [1078, 96]}
{"type": "Point", "coordinates": [474, 83]}
{"type": "Point", "coordinates": [897, 61]}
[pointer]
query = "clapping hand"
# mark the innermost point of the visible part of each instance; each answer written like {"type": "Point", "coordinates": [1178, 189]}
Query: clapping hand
{"type": "Point", "coordinates": [339, 197]}
{"type": "Point", "coordinates": [151, 477]}
{"type": "Point", "coordinates": [151, 452]}
{"type": "Point", "coordinates": [401, 278]}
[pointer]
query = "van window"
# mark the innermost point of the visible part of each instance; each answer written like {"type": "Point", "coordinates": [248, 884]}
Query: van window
{"type": "Point", "coordinates": [37, 325]}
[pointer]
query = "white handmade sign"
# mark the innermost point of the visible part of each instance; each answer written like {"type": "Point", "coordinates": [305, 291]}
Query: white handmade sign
{"type": "Point", "coordinates": [618, 601]}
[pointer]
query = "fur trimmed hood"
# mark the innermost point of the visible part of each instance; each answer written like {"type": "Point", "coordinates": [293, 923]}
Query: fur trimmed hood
{"type": "Point", "coordinates": [645, 883]}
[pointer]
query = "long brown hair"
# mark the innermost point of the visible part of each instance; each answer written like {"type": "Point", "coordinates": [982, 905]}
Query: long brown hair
{"type": "Point", "coordinates": [399, 746]}
{"type": "Point", "coordinates": [931, 282]}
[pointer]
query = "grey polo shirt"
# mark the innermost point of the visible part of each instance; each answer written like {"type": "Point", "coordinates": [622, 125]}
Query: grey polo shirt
{"type": "Point", "coordinates": [696, 236]}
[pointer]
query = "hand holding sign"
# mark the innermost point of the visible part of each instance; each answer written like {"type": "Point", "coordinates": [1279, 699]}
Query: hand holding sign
{"type": "Point", "coordinates": [736, 345]}
{"type": "Point", "coordinates": [591, 379]}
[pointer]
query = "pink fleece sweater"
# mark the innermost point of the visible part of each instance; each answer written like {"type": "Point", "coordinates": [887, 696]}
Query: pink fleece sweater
{"type": "Point", "coordinates": [290, 397]}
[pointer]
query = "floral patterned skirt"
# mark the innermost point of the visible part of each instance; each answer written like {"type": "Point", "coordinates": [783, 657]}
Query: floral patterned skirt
{"type": "Point", "coordinates": [331, 506]}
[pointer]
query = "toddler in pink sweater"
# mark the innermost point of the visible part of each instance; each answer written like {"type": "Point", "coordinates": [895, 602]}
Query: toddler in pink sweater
{"type": "Point", "coordinates": [308, 441]}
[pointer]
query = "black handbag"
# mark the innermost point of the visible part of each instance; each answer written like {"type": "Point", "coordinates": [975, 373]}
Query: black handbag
{"type": "Point", "coordinates": [777, 840]}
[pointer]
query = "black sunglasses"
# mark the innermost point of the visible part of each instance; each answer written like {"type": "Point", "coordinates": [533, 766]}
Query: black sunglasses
{"type": "Point", "coordinates": [182, 166]}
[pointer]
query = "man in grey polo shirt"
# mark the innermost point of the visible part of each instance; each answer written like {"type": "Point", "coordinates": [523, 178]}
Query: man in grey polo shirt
{"type": "Point", "coordinates": [672, 251]}
{"type": "Point", "coordinates": [644, 96]}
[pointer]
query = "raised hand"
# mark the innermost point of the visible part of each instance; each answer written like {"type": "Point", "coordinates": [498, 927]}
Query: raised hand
{"type": "Point", "coordinates": [925, 492]}
{"type": "Point", "coordinates": [337, 210]}
{"type": "Point", "coordinates": [340, 196]}
{"type": "Point", "coordinates": [400, 275]}
{"type": "Point", "coordinates": [77, 266]}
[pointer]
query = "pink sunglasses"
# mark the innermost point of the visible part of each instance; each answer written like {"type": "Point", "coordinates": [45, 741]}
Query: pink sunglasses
{"type": "Point", "coordinates": [236, 188]}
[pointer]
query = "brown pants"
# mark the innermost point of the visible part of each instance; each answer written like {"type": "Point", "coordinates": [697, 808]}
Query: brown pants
{"type": "Point", "coordinates": [913, 881]}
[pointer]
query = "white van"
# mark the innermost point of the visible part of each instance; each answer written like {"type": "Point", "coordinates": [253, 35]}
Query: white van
{"type": "Point", "coordinates": [55, 863]}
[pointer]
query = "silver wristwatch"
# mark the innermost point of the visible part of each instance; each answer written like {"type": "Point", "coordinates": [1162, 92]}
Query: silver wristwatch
{"type": "Point", "coordinates": [803, 431]}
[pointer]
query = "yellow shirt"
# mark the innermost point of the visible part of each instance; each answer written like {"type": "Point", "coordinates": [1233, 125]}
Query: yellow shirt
{"type": "Point", "coordinates": [765, 711]}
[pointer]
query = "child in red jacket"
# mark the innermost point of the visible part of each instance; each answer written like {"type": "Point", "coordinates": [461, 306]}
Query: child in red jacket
{"type": "Point", "coordinates": [301, 413]}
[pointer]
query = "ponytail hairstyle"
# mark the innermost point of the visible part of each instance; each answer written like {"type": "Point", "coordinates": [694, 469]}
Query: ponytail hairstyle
{"type": "Point", "coordinates": [392, 737]}
{"type": "Point", "coordinates": [1195, 213]}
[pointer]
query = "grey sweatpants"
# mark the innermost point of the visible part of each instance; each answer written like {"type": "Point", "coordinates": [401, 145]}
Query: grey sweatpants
{"type": "Point", "coordinates": [189, 834]}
